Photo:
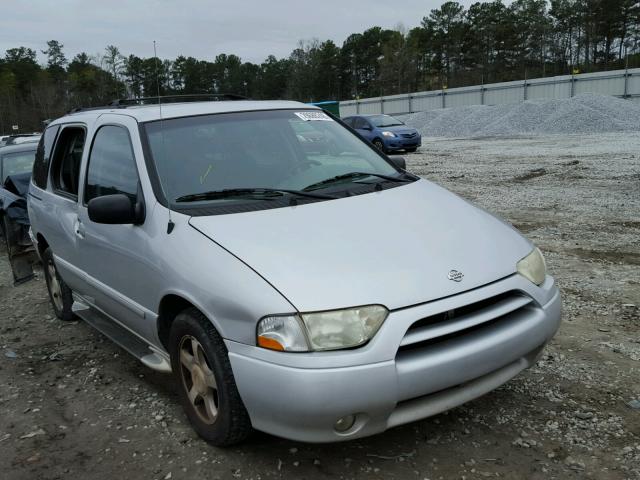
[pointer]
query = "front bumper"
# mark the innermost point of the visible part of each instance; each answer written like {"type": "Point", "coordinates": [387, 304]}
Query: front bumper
{"type": "Point", "coordinates": [400, 143]}
{"type": "Point", "coordinates": [392, 381]}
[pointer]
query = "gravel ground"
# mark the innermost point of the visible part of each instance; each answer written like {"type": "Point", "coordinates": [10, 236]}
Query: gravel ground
{"type": "Point", "coordinates": [75, 406]}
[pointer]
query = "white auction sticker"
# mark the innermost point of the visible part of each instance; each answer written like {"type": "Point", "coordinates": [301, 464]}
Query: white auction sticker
{"type": "Point", "coordinates": [311, 116]}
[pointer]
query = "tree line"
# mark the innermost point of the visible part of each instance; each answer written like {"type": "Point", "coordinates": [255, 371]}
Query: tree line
{"type": "Point", "coordinates": [452, 46]}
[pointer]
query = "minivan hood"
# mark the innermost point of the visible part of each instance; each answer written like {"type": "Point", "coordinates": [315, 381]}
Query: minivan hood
{"type": "Point", "coordinates": [395, 247]}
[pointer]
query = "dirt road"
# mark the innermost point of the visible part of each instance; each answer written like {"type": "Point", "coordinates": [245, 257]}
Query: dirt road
{"type": "Point", "coordinates": [75, 406]}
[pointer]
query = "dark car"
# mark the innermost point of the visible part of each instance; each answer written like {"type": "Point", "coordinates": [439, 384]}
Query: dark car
{"type": "Point", "coordinates": [16, 159]}
{"type": "Point", "coordinates": [19, 139]}
{"type": "Point", "coordinates": [16, 163]}
{"type": "Point", "coordinates": [386, 132]}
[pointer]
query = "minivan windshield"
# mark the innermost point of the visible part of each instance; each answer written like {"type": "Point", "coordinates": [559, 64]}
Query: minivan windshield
{"type": "Point", "coordinates": [384, 121]}
{"type": "Point", "coordinates": [247, 156]}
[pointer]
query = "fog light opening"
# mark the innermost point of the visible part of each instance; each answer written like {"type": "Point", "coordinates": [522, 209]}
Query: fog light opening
{"type": "Point", "coordinates": [345, 423]}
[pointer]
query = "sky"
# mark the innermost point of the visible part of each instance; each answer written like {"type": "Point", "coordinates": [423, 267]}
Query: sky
{"type": "Point", "coordinates": [251, 29]}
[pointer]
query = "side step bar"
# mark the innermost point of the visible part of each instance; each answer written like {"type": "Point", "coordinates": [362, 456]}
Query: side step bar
{"type": "Point", "coordinates": [150, 357]}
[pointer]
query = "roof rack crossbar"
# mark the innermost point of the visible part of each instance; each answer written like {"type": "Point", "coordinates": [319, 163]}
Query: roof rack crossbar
{"type": "Point", "coordinates": [205, 97]}
{"type": "Point", "coordinates": [88, 109]}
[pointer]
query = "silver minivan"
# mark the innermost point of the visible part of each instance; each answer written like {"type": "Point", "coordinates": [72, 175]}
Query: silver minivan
{"type": "Point", "coordinates": [293, 278]}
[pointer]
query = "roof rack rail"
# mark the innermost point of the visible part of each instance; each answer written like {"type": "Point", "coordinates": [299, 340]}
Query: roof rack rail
{"type": "Point", "coordinates": [204, 97]}
{"type": "Point", "coordinates": [20, 135]}
{"type": "Point", "coordinates": [195, 97]}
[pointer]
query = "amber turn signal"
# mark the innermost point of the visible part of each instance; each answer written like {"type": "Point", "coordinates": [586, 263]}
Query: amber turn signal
{"type": "Point", "coordinates": [270, 343]}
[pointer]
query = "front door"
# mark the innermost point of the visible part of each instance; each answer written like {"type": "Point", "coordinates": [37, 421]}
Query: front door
{"type": "Point", "coordinates": [117, 259]}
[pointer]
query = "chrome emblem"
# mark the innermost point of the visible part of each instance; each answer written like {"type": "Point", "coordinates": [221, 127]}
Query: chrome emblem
{"type": "Point", "coordinates": [455, 275]}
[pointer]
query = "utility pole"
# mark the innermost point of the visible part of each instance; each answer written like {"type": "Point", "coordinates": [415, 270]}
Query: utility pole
{"type": "Point", "coordinates": [626, 71]}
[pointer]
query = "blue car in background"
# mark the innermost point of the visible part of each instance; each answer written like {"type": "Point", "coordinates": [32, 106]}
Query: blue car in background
{"type": "Point", "coordinates": [386, 132]}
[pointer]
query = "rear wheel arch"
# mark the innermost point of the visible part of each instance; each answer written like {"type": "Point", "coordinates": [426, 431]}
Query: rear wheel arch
{"type": "Point", "coordinates": [42, 244]}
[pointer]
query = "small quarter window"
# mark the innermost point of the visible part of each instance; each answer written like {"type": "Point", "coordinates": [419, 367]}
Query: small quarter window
{"type": "Point", "coordinates": [112, 165]}
{"type": "Point", "coordinates": [65, 174]}
{"type": "Point", "coordinates": [43, 156]}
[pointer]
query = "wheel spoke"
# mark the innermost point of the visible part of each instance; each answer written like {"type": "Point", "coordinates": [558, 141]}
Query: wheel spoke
{"type": "Point", "coordinates": [186, 359]}
{"type": "Point", "coordinates": [210, 406]}
{"type": "Point", "coordinates": [198, 354]}
{"type": "Point", "coordinates": [210, 379]}
{"type": "Point", "coordinates": [193, 394]}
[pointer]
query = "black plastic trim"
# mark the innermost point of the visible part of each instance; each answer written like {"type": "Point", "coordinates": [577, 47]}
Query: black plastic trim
{"type": "Point", "coordinates": [152, 171]}
{"type": "Point", "coordinates": [54, 189]}
{"type": "Point", "coordinates": [114, 209]}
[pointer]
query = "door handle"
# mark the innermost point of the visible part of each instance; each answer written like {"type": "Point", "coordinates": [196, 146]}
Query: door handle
{"type": "Point", "coordinates": [79, 229]}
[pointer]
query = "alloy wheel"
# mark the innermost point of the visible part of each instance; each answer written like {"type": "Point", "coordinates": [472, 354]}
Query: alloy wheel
{"type": "Point", "coordinates": [54, 285]}
{"type": "Point", "coordinates": [198, 379]}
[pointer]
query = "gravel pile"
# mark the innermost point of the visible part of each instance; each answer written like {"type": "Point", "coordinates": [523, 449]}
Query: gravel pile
{"type": "Point", "coordinates": [585, 113]}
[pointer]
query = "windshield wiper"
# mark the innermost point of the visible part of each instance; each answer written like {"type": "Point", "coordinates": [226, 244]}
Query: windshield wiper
{"type": "Point", "coordinates": [248, 192]}
{"type": "Point", "coordinates": [350, 175]}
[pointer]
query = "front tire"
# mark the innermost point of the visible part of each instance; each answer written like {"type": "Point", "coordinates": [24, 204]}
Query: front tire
{"type": "Point", "coordinates": [206, 386]}
{"type": "Point", "coordinates": [412, 149]}
{"type": "Point", "coordinates": [379, 145]}
{"type": "Point", "coordinates": [59, 293]}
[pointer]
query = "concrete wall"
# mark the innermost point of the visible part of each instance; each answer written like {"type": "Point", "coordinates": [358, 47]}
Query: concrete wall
{"type": "Point", "coordinates": [619, 83]}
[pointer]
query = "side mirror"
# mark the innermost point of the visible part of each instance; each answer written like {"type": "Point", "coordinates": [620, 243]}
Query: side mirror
{"type": "Point", "coordinates": [367, 127]}
{"type": "Point", "coordinates": [115, 209]}
{"type": "Point", "coordinates": [399, 162]}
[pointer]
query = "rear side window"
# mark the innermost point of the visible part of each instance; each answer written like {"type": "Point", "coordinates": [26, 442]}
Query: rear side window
{"type": "Point", "coordinates": [112, 165]}
{"type": "Point", "coordinates": [67, 156]}
{"type": "Point", "coordinates": [43, 156]}
{"type": "Point", "coordinates": [348, 121]}
{"type": "Point", "coordinates": [360, 123]}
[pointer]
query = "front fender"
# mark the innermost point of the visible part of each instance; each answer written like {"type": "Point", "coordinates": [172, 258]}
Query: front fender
{"type": "Point", "coordinates": [227, 291]}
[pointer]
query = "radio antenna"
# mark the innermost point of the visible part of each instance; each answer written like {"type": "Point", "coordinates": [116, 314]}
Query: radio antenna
{"type": "Point", "coordinates": [170, 225]}
{"type": "Point", "coordinates": [155, 54]}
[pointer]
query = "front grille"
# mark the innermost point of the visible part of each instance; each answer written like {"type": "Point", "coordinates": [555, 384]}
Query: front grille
{"type": "Point", "coordinates": [409, 135]}
{"type": "Point", "coordinates": [464, 320]}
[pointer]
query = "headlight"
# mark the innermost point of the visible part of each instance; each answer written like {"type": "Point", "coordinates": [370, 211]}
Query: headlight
{"type": "Point", "coordinates": [282, 333]}
{"type": "Point", "coordinates": [533, 267]}
{"type": "Point", "coordinates": [343, 328]}
{"type": "Point", "coordinates": [330, 330]}
{"type": "Point", "coordinates": [388, 134]}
